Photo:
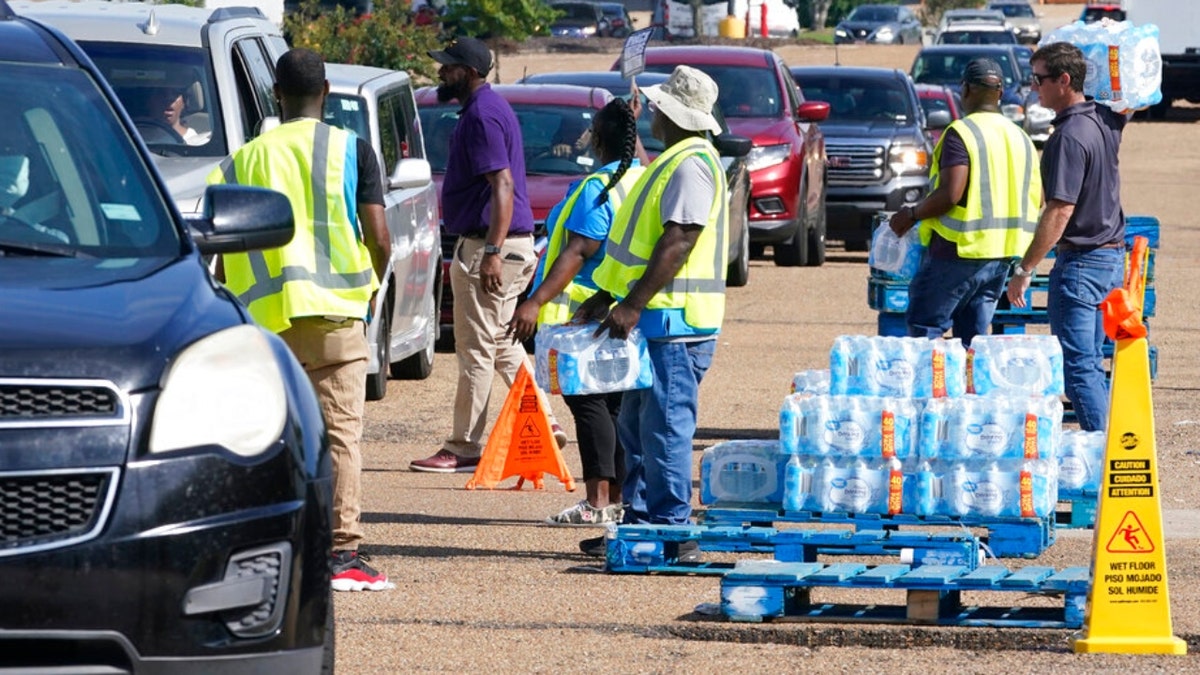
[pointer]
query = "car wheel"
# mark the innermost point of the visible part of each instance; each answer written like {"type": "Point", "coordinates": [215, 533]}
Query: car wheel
{"type": "Point", "coordinates": [738, 274]}
{"type": "Point", "coordinates": [816, 236]}
{"type": "Point", "coordinates": [377, 381]}
{"type": "Point", "coordinates": [420, 365]}
{"type": "Point", "coordinates": [794, 251]}
{"type": "Point", "coordinates": [329, 649]}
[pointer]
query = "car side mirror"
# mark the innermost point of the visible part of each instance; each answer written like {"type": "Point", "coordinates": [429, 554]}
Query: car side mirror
{"type": "Point", "coordinates": [938, 119]}
{"type": "Point", "coordinates": [732, 145]}
{"type": "Point", "coordinates": [813, 111]}
{"type": "Point", "coordinates": [411, 173]}
{"type": "Point", "coordinates": [241, 218]}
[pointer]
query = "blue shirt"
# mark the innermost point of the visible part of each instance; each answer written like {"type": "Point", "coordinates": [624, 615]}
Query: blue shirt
{"type": "Point", "coordinates": [1079, 166]}
{"type": "Point", "coordinates": [487, 138]}
{"type": "Point", "coordinates": [587, 219]}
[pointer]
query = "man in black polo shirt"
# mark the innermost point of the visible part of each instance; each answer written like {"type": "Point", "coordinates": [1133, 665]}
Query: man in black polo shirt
{"type": "Point", "coordinates": [1083, 220]}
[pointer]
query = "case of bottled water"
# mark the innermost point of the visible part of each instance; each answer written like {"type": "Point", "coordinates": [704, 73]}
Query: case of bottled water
{"type": "Point", "coordinates": [1081, 460]}
{"type": "Point", "coordinates": [848, 426]}
{"type": "Point", "coordinates": [1015, 365]}
{"type": "Point", "coordinates": [855, 485]}
{"type": "Point", "coordinates": [991, 427]}
{"type": "Point", "coordinates": [813, 382]}
{"type": "Point", "coordinates": [742, 472]}
{"type": "Point", "coordinates": [895, 257]}
{"type": "Point", "coordinates": [873, 365]}
{"type": "Point", "coordinates": [1124, 63]}
{"type": "Point", "coordinates": [993, 488]}
{"type": "Point", "coordinates": [569, 360]}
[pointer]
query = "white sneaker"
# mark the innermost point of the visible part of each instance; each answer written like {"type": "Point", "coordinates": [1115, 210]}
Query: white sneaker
{"type": "Point", "coordinates": [584, 514]}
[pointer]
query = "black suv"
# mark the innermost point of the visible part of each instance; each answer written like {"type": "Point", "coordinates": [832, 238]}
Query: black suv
{"type": "Point", "coordinates": [876, 153]}
{"type": "Point", "coordinates": [165, 485]}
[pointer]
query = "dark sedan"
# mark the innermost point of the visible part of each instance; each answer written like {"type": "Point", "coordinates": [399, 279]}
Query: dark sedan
{"type": "Point", "coordinates": [165, 489]}
{"type": "Point", "coordinates": [879, 24]}
{"type": "Point", "coordinates": [945, 65]}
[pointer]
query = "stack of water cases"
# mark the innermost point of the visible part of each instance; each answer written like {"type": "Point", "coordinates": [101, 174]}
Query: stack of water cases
{"type": "Point", "coordinates": [911, 426]}
{"type": "Point", "coordinates": [887, 288]}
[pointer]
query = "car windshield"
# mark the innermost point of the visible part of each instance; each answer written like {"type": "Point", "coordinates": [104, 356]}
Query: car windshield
{"type": "Point", "coordinates": [859, 99]}
{"type": "Point", "coordinates": [976, 37]}
{"type": "Point", "coordinates": [949, 68]}
{"type": "Point", "coordinates": [742, 91]}
{"type": "Point", "coordinates": [865, 13]}
{"type": "Point", "coordinates": [71, 183]}
{"type": "Point", "coordinates": [349, 113]}
{"type": "Point", "coordinates": [1014, 9]}
{"type": "Point", "coordinates": [553, 137]}
{"type": "Point", "coordinates": [935, 103]}
{"type": "Point", "coordinates": [168, 91]}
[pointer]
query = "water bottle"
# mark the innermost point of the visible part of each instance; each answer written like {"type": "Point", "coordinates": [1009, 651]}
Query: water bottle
{"type": "Point", "coordinates": [793, 485]}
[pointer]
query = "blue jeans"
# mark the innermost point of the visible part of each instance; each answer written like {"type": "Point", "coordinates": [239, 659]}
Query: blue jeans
{"type": "Point", "coordinates": [1079, 282]}
{"type": "Point", "coordinates": [656, 426]}
{"type": "Point", "coordinates": [958, 294]}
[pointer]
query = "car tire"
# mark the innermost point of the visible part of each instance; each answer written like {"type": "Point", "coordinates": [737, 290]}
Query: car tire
{"type": "Point", "coordinates": [420, 365]}
{"type": "Point", "coordinates": [329, 648]}
{"type": "Point", "coordinates": [377, 381]}
{"type": "Point", "coordinates": [816, 236]}
{"type": "Point", "coordinates": [794, 251]}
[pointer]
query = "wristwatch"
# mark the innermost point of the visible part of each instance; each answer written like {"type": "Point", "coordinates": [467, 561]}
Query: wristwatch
{"type": "Point", "coordinates": [1019, 271]}
{"type": "Point", "coordinates": [491, 249]}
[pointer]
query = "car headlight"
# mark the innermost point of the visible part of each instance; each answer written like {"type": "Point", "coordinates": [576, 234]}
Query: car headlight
{"type": "Point", "coordinates": [840, 32]}
{"type": "Point", "coordinates": [762, 156]}
{"type": "Point", "coordinates": [1013, 111]}
{"type": "Point", "coordinates": [883, 34]}
{"type": "Point", "coordinates": [907, 158]}
{"type": "Point", "coordinates": [227, 390]}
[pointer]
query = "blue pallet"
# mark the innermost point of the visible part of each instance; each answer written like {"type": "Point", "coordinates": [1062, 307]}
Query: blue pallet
{"type": "Point", "coordinates": [1006, 538]}
{"type": "Point", "coordinates": [645, 549]}
{"type": "Point", "coordinates": [764, 590]}
{"type": "Point", "coordinates": [1143, 226]}
{"type": "Point", "coordinates": [1077, 509]}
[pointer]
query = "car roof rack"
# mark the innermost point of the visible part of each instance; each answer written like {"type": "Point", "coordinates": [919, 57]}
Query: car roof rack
{"type": "Point", "coordinates": [225, 13]}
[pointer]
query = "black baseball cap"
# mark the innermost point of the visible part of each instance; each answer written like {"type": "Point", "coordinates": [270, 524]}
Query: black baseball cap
{"type": "Point", "coordinates": [984, 72]}
{"type": "Point", "coordinates": [465, 51]}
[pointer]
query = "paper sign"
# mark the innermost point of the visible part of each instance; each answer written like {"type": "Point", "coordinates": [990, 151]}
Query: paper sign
{"type": "Point", "coordinates": [633, 54]}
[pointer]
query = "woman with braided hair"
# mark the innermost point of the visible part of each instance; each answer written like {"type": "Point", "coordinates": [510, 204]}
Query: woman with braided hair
{"type": "Point", "coordinates": [577, 229]}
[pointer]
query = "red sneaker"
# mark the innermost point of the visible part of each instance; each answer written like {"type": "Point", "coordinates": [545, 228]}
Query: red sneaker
{"type": "Point", "coordinates": [352, 573]}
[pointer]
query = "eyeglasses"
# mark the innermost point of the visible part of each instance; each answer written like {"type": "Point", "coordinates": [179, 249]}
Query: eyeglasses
{"type": "Point", "coordinates": [1039, 78]}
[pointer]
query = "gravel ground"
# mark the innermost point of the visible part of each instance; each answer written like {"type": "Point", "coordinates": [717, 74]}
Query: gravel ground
{"type": "Point", "coordinates": [482, 585]}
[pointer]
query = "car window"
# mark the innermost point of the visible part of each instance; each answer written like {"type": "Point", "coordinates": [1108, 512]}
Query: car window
{"type": "Point", "coordinates": [860, 99]}
{"type": "Point", "coordinates": [161, 86]}
{"type": "Point", "coordinates": [949, 68]}
{"type": "Point", "coordinates": [258, 84]}
{"type": "Point", "coordinates": [935, 103]}
{"type": "Point", "coordinates": [742, 91]}
{"type": "Point", "coordinates": [868, 13]}
{"type": "Point", "coordinates": [976, 37]}
{"type": "Point", "coordinates": [1014, 9]}
{"type": "Point", "coordinates": [65, 171]}
{"type": "Point", "coordinates": [553, 137]}
{"type": "Point", "coordinates": [349, 113]}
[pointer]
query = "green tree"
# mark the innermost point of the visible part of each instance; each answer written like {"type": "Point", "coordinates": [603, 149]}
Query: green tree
{"type": "Point", "coordinates": [386, 39]}
{"type": "Point", "coordinates": [512, 19]}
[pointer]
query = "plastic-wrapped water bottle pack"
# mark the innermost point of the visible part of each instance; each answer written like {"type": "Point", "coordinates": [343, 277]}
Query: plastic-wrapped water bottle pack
{"type": "Point", "coordinates": [742, 472]}
{"type": "Point", "coordinates": [1124, 63]}
{"type": "Point", "coordinates": [848, 426]}
{"type": "Point", "coordinates": [994, 488]}
{"type": "Point", "coordinates": [1015, 365]}
{"type": "Point", "coordinates": [569, 360]}
{"type": "Point", "coordinates": [991, 427]}
{"type": "Point", "coordinates": [814, 382]}
{"type": "Point", "coordinates": [873, 365]}
{"type": "Point", "coordinates": [1081, 460]}
{"type": "Point", "coordinates": [895, 257]}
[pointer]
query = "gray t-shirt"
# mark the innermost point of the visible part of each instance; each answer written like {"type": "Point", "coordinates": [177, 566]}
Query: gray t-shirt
{"type": "Point", "coordinates": [1079, 166]}
{"type": "Point", "coordinates": [688, 197]}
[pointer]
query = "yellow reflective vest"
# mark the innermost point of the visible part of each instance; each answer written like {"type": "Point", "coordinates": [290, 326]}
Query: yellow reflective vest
{"type": "Point", "coordinates": [699, 287]}
{"type": "Point", "coordinates": [1004, 190]}
{"type": "Point", "coordinates": [325, 270]}
{"type": "Point", "coordinates": [563, 306]}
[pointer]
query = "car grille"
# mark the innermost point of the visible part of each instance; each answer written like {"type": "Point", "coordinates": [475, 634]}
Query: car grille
{"type": "Point", "coordinates": [41, 510]}
{"type": "Point", "coordinates": [54, 401]}
{"type": "Point", "coordinates": [854, 164]}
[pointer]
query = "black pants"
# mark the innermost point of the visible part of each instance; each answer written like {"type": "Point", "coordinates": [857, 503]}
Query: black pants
{"type": "Point", "coordinates": [596, 428]}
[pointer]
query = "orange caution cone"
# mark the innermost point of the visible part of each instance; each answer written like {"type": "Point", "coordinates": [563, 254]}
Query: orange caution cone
{"type": "Point", "coordinates": [521, 443]}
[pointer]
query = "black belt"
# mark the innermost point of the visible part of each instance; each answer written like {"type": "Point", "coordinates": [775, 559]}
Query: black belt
{"type": "Point", "coordinates": [482, 234]}
{"type": "Point", "coordinates": [1068, 246]}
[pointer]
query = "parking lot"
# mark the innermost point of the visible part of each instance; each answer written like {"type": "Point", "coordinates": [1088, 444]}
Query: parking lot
{"type": "Point", "coordinates": [482, 584]}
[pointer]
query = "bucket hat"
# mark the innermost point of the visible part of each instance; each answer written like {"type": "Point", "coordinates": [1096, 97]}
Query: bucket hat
{"type": "Point", "coordinates": [687, 98]}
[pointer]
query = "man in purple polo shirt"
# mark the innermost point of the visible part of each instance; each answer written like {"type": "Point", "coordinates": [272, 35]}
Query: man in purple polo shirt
{"type": "Point", "coordinates": [485, 203]}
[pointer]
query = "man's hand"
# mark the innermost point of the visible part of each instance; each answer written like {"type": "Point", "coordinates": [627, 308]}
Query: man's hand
{"type": "Point", "coordinates": [1016, 290]}
{"type": "Point", "coordinates": [490, 270]}
{"type": "Point", "coordinates": [901, 222]}
{"type": "Point", "coordinates": [524, 321]}
{"type": "Point", "coordinates": [594, 308]}
{"type": "Point", "coordinates": [619, 321]}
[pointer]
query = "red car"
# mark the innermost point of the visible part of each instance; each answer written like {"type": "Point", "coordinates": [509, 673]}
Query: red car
{"type": "Point", "coordinates": [942, 105]}
{"type": "Point", "coordinates": [760, 101]}
{"type": "Point", "coordinates": [550, 115]}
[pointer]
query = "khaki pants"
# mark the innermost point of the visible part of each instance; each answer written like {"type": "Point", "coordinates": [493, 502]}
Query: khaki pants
{"type": "Point", "coordinates": [335, 357]}
{"type": "Point", "coordinates": [480, 321]}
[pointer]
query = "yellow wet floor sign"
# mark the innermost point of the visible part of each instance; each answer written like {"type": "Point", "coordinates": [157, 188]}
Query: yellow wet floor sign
{"type": "Point", "coordinates": [1128, 609]}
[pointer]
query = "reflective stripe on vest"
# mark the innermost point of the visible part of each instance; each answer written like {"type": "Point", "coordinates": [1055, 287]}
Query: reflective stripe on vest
{"type": "Point", "coordinates": [999, 218]}
{"type": "Point", "coordinates": [325, 269]}
{"type": "Point", "coordinates": [563, 306]}
{"type": "Point", "coordinates": [699, 286]}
